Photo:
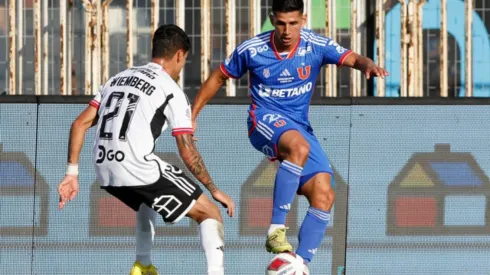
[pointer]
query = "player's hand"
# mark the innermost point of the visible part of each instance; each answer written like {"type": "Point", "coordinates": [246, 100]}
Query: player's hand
{"type": "Point", "coordinates": [67, 189]}
{"type": "Point", "coordinates": [375, 71]}
{"type": "Point", "coordinates": [225, 200]}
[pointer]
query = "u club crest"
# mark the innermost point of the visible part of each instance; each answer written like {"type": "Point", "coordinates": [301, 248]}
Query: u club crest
{"type": "Point", "coordinates": [266, 73]}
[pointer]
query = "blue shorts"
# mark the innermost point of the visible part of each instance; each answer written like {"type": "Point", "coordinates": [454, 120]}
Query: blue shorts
{"type": "Point", "coordinates": [265, 127]}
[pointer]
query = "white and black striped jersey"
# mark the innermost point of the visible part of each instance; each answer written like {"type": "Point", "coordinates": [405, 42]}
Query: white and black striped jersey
{"type": "Point", "coordinates": [134, 108]}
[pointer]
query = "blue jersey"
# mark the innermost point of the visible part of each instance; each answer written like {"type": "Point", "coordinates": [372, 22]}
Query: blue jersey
{"type": "Point", "coordinates": [283, 82]}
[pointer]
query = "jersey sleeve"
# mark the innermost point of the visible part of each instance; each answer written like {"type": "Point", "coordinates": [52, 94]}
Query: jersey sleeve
{"type": "Point", "coordinates": [178, 113]}
{"type": "Point", "coordinates": [234, 66]}
{"type": "Point", "coordinates": [95, 102]}
{"type": "Point", "coordinates": [333, 53]}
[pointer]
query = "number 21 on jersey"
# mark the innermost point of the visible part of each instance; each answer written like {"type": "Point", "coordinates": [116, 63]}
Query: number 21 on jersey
{"type": "Point", "coordinates": [116, 99]}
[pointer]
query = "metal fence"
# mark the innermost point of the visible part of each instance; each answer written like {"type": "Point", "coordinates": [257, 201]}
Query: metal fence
{"type": "Point", "coordinates": [71, 47]}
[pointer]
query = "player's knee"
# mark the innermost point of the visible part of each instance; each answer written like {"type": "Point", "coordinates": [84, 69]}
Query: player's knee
{"type": "Point", "coordinates": [213, 213]}
{"type": "Point", "coordinates": [298, 152]}
{"type": "Point", "coordinates": [293, 147]}
{"type": "Point", "coordinates": [145, 219]}
{"type": "Point", "coordinates": [205, 209]}
{"type": "Point", "coordinates": [324, 197]}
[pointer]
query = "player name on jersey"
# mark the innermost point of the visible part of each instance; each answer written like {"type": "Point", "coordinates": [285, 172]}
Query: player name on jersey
{"type": "Point", "coordinates": [133, 81]}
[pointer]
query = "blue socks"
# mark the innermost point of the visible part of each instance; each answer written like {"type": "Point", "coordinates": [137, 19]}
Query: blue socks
{"type": "Point", "coordinates": [285, 187]}
{"type": "Point", "coordinates": [312, 232]}
{"type": "Point", "coordinates": [316, 220]}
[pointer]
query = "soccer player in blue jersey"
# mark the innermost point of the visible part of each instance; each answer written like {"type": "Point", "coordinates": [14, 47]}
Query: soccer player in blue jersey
{"type": "Point", "coordinates": [283, 65]}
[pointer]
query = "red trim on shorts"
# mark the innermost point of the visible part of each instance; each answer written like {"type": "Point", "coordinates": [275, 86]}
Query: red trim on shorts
{"type": "Point", "coordinates": [254, 119]}
{"type": "Point", "coordinates": [272, 159]}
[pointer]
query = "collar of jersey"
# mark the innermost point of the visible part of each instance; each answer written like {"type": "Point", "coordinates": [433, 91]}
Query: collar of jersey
{"type": "Point", "coordinates": [276, 53]}
{"type": "Point", "coordinates": [158, 65]}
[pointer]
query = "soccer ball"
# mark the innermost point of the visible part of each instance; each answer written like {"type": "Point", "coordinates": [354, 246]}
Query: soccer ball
{"type": "Point", "coordinates": [287, 263]}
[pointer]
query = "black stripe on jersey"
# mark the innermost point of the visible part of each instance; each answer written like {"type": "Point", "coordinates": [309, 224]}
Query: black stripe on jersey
{"type": "Point", "coordinates": [187, 98]}
{"type": "Point", "coordinates": [159, 118]}
{"type": "Point", "coordinates": [159, 167]}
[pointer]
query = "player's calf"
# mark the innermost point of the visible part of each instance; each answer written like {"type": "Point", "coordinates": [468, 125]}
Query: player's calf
{"type": "Point", "coordinates": [319, 192]}
{"type": "Point", "coordinates": [293, 151]}
{"type": "Point", "coordinates": [207, 214]}
{"type": "Point", "coordinates": [204, 209]}
{"type": "Point", "coordinates": [145, 232]}
{"type": "Point", "coordinates": [311, 232]}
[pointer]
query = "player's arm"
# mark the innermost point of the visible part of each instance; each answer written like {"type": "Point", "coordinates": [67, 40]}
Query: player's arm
{"type": "Point", "coordinates": [333, 53]}
{"type": "Point", "coordinates": [208, 90]}
{"type": "Point", "coordinates": [232, 67]}
{"type": "Point", "coordinates": [79, 127]}
{"type": "Point", "coordinates": [178, 115]}
{"type": "Point", "coordinates": [68, 188]}
{"type": "Point", "coordinates": [193, 160]}
{"type": "Point", "coordinates": [365, 65]}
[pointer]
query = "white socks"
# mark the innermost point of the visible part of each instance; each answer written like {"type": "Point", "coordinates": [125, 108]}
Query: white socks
{"type": "Point", "coordinates": [212, 240]}
{"type": "Point", "coordinates": [273, 227]}
{"type": "Point", "coordinates": [211, 233]}
{"type": "Point", "coordinates": [145, 233]}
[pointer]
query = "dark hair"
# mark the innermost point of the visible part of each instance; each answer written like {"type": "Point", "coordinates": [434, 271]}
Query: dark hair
{"type": "Point", "coordinates": [167, 40]}
{"type": "Point", "coordinates": [287, 6]}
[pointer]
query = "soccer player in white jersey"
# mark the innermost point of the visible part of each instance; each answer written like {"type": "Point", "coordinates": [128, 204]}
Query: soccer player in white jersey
{"type": "Point", "coordinates": [130, 112]}
{"type": "Point", "coordinates": [283, 65]}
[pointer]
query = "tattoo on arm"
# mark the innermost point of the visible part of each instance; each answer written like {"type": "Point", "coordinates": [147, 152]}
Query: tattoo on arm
{"type": "Point", "coordinates": [194, 162]}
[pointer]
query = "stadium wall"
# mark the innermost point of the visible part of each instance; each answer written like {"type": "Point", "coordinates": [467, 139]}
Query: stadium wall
{"type": "Point", "coordinates": [410, 175]}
